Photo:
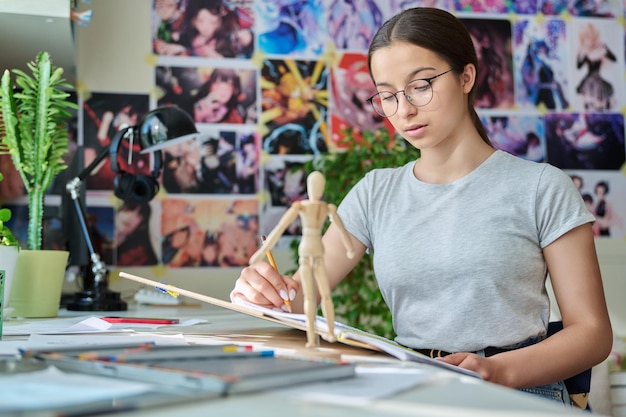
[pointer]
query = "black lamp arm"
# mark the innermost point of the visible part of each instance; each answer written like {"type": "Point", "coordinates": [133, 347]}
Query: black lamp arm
{"type": "Point", "coordinates": [73, 188]}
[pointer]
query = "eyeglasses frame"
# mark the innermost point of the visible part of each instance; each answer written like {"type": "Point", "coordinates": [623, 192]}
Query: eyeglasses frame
{"type": "Point", "coordinates": [407, 97]}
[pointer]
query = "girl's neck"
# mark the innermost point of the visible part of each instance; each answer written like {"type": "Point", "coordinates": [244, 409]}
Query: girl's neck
{"type": "Point", "coordinates": [448, 163]}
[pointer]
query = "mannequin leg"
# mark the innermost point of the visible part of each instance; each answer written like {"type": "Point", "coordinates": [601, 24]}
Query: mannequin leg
{"type": "Point", "coordinates": [310, 306]}
{"type": "Point", "coordinates": [328, 308]}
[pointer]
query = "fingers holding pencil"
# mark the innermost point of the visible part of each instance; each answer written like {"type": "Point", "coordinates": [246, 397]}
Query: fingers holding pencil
{"type": "Point", "coordinates": [261, 284]}
{"type": "Point", "coordinates": [287, 297]}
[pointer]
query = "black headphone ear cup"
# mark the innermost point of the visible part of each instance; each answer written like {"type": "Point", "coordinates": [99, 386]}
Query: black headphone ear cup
{"type": "Point", "coordinates": [143, 189]}
{"type": "Point", "coordinates": [124, 183]}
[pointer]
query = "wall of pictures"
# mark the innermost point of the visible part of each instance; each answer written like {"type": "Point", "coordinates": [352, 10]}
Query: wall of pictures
{"type": "Point", "coordinates": [276, 82]}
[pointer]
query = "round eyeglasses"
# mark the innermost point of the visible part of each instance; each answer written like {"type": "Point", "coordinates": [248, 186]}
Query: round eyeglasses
{"type": "Point", "coordinates": [417, 92]}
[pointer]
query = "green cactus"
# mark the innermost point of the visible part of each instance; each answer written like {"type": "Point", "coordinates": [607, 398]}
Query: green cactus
{"type": "Point", "coordinates": [33, 130]}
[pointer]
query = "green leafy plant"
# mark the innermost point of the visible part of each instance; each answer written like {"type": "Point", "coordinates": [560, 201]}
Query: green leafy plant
{"type": "Point", "coordinates": [357, 299]}
{"type": "Point", "coordinates": [33, 130]}
{"type": "Point", "coordinates": [6, 236]}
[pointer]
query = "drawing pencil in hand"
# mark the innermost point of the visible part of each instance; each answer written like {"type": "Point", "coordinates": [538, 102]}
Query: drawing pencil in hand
{"type": "Point", "coordinates": [270, 257]}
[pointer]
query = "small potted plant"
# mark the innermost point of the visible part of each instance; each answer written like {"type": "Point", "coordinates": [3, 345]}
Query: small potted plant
{"type": "Point", "coordinates": [357, 299]}
{"type": "Point", "coordinates": [35, 112]}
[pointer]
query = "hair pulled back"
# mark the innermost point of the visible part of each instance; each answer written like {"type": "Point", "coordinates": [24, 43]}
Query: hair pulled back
{"type": "Point", "coordinates": [438, 31]}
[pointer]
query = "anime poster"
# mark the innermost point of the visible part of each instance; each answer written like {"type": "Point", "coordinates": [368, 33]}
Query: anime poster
{"type": "Point", "coordinates": [540, 61]}
{"type": "Point", "coordinates": [352, 24]}
{"type": "Point", "coordinates": [604, 194]}
{"type": "Point", "coordinates": [104, 116]}
{"type": "Point", "coordinates": [351, 87]}
{"type": "Point", "coordinates": [100, 223]}
{"type": "Point", "coordinates": [585, 140]}
{"type": "Point", "coordinates": [294, 103]}
{"type": "Point", "coordinates": [599, 68]}
{"type": "Point", "coordinates": [494, 82]}
{"type": "Point", "coordinates": [395, 6]}
{"type": "Point", "coordinates": [208, 232]}
{"type": "Point", "coordinates": [581, 8]}
{"type": "Point", "coordinates": [285, 181]}
{"type": "Point", "coordinates": [482, 6]}
{"type": "Point", "coordinates": [519, 135]}
{"type": "Point", "coordinates": [210, 95]}
{"type": "Point", "coordinates": [134, 241]}
{"type": "Point", "coordinates": [288, 27]}
{"type": "Point", "coordinates": [219, 162]}
{"type": "Point", "coordinates": [53, 235]}
{"type": "Point", "coordinates": [203, 28]}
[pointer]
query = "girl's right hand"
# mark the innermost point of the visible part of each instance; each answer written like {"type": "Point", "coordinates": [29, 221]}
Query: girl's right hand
{"type": "Point", "coordinates": [262, 285]}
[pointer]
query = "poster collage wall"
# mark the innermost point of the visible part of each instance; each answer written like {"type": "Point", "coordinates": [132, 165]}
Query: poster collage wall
{"type": "Point", "coordinates": [271, 84]}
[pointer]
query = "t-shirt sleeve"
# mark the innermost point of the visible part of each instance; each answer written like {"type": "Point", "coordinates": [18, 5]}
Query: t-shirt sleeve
{"type": "Point", "coordinates": [353, 211]}
{"type": "Point", "coordinates": [560, 207]}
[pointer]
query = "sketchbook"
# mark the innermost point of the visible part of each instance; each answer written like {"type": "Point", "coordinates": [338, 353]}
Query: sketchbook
{"type": "Point", "coordinates": [344, 333]}
{"type": "Point", "coordinates": [221, 369]}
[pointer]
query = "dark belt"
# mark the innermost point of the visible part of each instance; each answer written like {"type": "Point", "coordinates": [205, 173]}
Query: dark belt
{"type": "Point", "coordinates": [436, 353]}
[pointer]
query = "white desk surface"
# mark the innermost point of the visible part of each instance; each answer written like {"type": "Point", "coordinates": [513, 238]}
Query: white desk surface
{"type": "Point", "coordinates": [450, 395]}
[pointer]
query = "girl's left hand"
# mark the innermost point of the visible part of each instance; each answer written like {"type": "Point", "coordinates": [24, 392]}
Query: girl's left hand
{"type": "Point", "coordinates": [488, 368]}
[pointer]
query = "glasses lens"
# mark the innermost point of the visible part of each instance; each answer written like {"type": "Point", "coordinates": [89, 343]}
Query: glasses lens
{"type": "Point", "coordinates": [420, 92]}
{"type": "Point", "coordinates": [385, 103]}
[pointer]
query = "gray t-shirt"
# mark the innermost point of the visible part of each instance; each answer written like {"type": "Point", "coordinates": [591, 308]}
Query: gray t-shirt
{"type": "Point", "coordinates": [460, 264]}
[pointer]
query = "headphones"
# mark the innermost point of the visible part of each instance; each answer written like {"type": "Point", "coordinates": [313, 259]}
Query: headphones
{"type": "Point", "coordinates": [139, 188]}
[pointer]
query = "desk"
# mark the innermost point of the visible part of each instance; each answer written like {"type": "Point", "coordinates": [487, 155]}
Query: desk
{"type": "Point", "coordinates": [450, 395]}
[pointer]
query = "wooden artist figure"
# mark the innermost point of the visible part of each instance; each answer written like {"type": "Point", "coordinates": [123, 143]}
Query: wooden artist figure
{"type": "Point", "coordinates": [311, 268]}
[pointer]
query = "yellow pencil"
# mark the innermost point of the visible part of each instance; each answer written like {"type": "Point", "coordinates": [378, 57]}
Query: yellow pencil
{"type": "Point", "coordinates": [270, 257]}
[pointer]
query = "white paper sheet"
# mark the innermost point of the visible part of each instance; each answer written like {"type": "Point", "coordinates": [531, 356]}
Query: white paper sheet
{"type": "Point", "coordinates": [51, 387]}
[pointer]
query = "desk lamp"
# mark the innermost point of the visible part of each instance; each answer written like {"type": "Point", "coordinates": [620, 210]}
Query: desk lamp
{"type": "Point", "coordinates": [157, 126]}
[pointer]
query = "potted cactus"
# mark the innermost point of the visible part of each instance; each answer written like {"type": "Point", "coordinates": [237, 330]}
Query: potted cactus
{"type": "Point", "coordinates": [35, 112]}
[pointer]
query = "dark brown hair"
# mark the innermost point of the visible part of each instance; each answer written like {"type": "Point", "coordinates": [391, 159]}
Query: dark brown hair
{"type": "Point", "coordinates": [438, 31]}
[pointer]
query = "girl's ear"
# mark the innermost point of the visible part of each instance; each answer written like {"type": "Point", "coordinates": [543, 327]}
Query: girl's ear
{"type": "Point", "coordinates": [468, 78]}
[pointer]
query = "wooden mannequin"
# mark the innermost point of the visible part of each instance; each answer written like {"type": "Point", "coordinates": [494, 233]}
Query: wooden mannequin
{"type": "Point", "coordinates": [313, 214]}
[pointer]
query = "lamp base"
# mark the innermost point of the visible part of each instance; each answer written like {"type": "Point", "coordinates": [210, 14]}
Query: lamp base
{"type": "Point", "coordinates": [103, 300]}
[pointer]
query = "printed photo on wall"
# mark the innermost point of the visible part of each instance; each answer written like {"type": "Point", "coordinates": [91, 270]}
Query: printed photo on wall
{"type": "Point", "coordinates": [210, 95]}
{"type": "Point", "coordinates": [221, 162]}
{"type": "Point", "coordinates": [351, 87]}
{"type": "Point", "coordinates": [351, 25]}
{"type": "Point", "coordinates": [599, 73]}
{"type": "Point", "coordinates": [209, 232]}
{"type": "Point", "coordinates": [294, 103]}
{"type": "Point", "coordinates": [540, 62]}
{"type": "Point", "coordinates": [519, 135]}
{"type": "Point", "coordinates": [134, 234]}
{"type": "Point", "coordinates": [494, 82]}
{"type": "Point", "coordinates": [203, 28]}
{"type": "Point", "coordinates": [585, 140]}
{"type": "Point", "coordinates": [284, 182]}
{"type": "Point", "coordinates": [290, 27]}
{"type": "Point", "coordinates": [53, 235]}
{"type": "Point", "coordinates": [596, 8]}
{"type": "Point", "coordinates": [482, 6]}
{"type": "Point", "coordinates": [605, 196]}
{"type": "Point", "coordinates": [104, 115]}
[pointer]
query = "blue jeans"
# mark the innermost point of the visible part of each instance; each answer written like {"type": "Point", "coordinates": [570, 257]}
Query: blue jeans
{"type": "Point", "coordinates": [555, 392]}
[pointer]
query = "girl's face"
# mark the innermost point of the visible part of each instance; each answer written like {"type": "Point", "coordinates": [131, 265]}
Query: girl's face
{"type": "Point", "coordinates": [223, 90]}
{"type": "Point", "coordinates": [127, 220]}
{"type": "Point", "coordinates": [207, 23]}
{"type": "Point", "coordinates": [210, 109]}
{"type": "Point", "coordinates": [166, 9]}
{"type": "Point", "coordinates": [445, 117]}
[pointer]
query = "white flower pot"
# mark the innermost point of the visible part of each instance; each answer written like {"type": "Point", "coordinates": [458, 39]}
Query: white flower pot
{"type": "Point", "coordinates": [8, 260]}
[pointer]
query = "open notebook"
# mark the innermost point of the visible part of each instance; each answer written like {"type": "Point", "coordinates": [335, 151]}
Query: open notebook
{"type": "Point", "coordinates": [344, 333]}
